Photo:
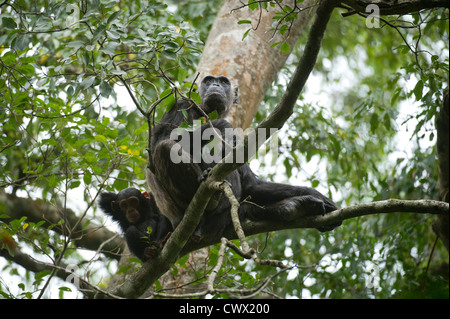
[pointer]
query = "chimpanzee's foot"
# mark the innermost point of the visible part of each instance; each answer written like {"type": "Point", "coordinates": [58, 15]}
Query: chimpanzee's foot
{"type": "Point", "coordinates": [204, 175]}
{"type": "Point", "coordinates": [151, 251]}
{"type": "Point", "coordinates": [301, 206]}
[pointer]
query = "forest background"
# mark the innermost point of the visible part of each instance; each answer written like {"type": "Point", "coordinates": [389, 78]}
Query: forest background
{"type": "Point", "coordinates": [368, 126]}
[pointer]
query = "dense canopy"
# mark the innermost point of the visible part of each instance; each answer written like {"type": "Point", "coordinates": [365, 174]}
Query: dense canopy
{"type": "Point", "coordinates": [78, 77]}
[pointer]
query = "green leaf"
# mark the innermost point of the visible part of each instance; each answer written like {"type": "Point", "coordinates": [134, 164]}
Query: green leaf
{"type": "Point", "coordinates": [26, 69]}
{"type": "Point", "coordinates": [86, 224]}
{"type": "Point", "coordinates": [418, 90]}
{"type": "Point", "coordinates": [87, 177]}
{"type": "Point", "coordinates": [285, 48]}
{"type": "Point", "coordinates": [110, 48]}
{"type": "Point", "coordinates": [74, 184]}
{"type": "Point", "coordinates": [244, 22]}
{"type": "Point", "coordinates": [252, 5]}
{"type": "Point", "coordinates": [97, 170]}
{"type": "Point", "coordinates": [98, 33]}
{"type": "Point", "coordinates": [87, 82]}
{"type": "Point", "coordinates": [213, 115]}
{"type": "Point", "coordinates": [100, 138]}
{"type": "Point", "coordinates": [374, 122]}
{"type": "Point", "coordinates": [39, 275]}
{"type": "Point", "coordinates": [70, 90]}
{"type": "Point", "coordinates": [169, 102]}
{"type": "Point", "coordinates": [196, 97]}
{"type": "Point", "coordinates": [113, 16]}
{"type": "Point", "coordinates": [52, 181]}
{"type": "Point", "coordinates": [245, 34]}
{"type": "Point", "coordinates": [49, 141]}
{"type": "Point", "coordinates": [22, 42]}
{"type": "Point", "coordinates": [113, 35]}
{"type": "Point", "coordinates": [105, 89]}
{"type": "Point", "coordinates": [288, 167]}
{"type": "Point", "coordinates": [185, 113]}
{"type": "Point", "coordinates": [120, 184]}
{"type": "Point", "coordinates": [9, 23]}
{"type": "Point", "coordinates": [283, 29]}
{"type": "Point", "coordinates": [75, 44]}
{"type": "Point", "coordinates": [274, 45]}
{"type": "Point", "coordinates": [169, 55]}
{"type": "Point", "coordinates": [181, 75]}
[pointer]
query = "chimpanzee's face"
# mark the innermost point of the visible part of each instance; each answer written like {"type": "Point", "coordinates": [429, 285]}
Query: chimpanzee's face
{"type": "Point", "coordinates": [216, 94]}
{"type": "Point", "coordinates": [130, 202]}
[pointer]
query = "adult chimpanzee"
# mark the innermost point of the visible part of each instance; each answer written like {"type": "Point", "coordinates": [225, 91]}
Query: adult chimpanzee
{"type": "Point", "coordinates": [174, 183]}
{"type": "Point", "coordinates": [137, 214]}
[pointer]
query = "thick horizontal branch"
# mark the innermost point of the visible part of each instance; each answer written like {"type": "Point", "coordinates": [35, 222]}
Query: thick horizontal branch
{"type": "Point", "coordinates": [63, 271]}
{"type": "Point", "coordinates": [36, 266]}
{"type": "Point", "coordinates": [382, 207]}
{"type": "Point", "coordinates": [90, 237]}
{"type": "Point", "coordinates": [389, 7]}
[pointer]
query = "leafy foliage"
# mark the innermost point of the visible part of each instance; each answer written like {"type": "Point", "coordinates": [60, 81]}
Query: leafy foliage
{"type": "Point", "coordinates": [354, 131]}
{"type": "Point", "coordinates": [67, 126]}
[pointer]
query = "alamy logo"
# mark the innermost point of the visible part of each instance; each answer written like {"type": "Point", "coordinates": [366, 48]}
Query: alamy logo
{"type": "Point", "coordinates": [73, 277]}
{"type": "Point", "coordinates": [210, 145]}
{"type": "Point", "coordinates": [74, 15]}
{"type": "Point", "coordinates": [373, 19]}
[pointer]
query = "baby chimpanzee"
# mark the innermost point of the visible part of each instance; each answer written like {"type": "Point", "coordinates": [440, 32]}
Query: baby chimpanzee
{"type": "Point", "coordinates": [144, 228]}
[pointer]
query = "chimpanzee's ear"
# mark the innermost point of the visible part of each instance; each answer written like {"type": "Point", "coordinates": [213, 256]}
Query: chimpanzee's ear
{"type": "Point", "coordinates": [146, 195]}
{"type": "Point", "coordinates": [107, 202]}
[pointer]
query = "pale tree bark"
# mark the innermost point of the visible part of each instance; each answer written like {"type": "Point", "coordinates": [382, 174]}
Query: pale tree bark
{"type": "Point", "coordinates": [152, 269]}
{"type": "Point", "coordinates": [251, 64]}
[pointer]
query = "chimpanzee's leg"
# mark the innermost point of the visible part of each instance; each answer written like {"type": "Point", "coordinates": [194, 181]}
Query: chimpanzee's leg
{"type": "Point", "coordinates": [176, 171]}
{"type": "Point", "coordinates": [137, 243]}
{"type": "Point", "coordinates": [273, 201]}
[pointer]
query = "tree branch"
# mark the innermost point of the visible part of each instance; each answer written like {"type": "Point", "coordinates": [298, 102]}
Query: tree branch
{"type": "Point", "coordinates": [177, 243]}
{"type": "Point", "coordinates": [381, 207]}
{"type": "Point", "coordinates": [154, 268]}
{"type": "Point", "coordinates": [388, 7]}
{"type": "Point", "coordinates": [246, 252]}
{"type": "Point", "coordinates": [62, 271]}
{"type": "Point", "coordinates": [285, 107]}
{"type": "Point", "coordinates": [243, 293]}
{"type": "Point", "coordinates": [91, 237]}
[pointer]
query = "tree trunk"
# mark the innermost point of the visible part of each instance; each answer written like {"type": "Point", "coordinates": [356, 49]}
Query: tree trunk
{"type": "Point", "coordinates": [441, 225]}
{"type": "Point", "coordinates": [251, 64]}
